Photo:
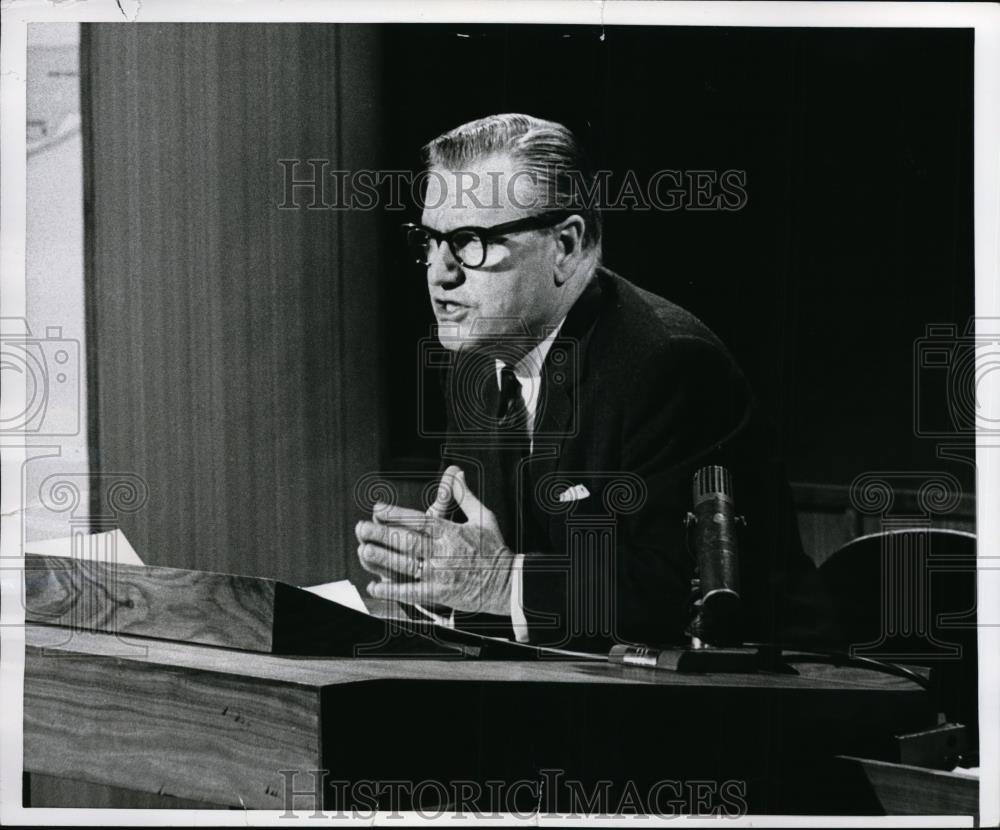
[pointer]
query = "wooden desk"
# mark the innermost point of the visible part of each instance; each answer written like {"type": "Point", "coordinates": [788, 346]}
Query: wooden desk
{"type": "Point", "coordinates": [218, 726]}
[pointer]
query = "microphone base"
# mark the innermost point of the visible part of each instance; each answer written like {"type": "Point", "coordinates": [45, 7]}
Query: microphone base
{"type": "Point", "coordinates": [690, 660]}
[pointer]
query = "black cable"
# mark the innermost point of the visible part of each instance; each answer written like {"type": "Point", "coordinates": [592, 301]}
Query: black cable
{"type": "Point", "coordinates": [832, 656]}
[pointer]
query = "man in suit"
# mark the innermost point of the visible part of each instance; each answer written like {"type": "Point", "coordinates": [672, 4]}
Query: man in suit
{"type": "Point", "coordinates": [579, 408]}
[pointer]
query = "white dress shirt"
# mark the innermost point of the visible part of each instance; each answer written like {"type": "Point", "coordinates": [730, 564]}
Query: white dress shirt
{"type": "Point", "coordinates": [528, 371]}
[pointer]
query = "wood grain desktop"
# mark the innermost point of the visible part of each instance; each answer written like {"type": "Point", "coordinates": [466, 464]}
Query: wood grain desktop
{"type": "Point", "coordinates": [218, 725]}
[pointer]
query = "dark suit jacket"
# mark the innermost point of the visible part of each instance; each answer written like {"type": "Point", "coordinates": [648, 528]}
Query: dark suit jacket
{"type": "Point", "coordinates": [636, 395]}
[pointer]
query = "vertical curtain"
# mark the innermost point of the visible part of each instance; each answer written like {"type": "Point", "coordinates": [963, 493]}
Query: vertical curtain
{"type": "Point", "coordinates": [231, 341]}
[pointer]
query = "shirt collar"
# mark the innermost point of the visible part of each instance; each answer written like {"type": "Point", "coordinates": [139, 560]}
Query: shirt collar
{"type": "Point", "coordinates": [529, 367]}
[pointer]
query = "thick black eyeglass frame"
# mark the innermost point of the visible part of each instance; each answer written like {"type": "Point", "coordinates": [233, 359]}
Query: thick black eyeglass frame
{"type": "Point", "coordinates": [485, 235]}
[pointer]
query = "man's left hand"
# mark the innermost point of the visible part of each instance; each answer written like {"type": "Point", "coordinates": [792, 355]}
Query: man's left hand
{"type": "Point", "coordinates": [463, 566]}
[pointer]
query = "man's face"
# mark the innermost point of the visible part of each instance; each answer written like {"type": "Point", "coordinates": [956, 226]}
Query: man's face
{"type": "Point", "coordinates": [514, 291]}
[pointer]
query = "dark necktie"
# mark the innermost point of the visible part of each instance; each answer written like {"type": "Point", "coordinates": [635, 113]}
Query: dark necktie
{"type": "Point", "coordinates": [512, 415]}
{"type": "Point", "coordinates": [513, 440]}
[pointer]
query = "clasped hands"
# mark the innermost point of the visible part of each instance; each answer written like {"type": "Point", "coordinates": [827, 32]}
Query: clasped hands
{"type": "Point", "coordinates": [426, 559]}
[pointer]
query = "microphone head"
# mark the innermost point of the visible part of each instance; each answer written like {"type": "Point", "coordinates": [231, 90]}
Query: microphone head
{"type": "Point", "coordinates": [712, 482]}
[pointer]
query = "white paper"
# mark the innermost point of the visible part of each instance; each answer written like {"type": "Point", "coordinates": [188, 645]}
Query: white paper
{"type": "Point", "coordinates": [341, 592]}
{"type": "Point", "coordinates": [110, 546]}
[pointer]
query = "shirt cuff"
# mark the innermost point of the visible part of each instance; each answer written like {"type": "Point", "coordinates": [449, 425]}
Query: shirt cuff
{"type": "Point", "coordinates": [517, 619]}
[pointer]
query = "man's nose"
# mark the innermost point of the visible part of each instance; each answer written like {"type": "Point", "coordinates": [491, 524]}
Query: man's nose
{"type": "Point", "coordinates": [442, 267]}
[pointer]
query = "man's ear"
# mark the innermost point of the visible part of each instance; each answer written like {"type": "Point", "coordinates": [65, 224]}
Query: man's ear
{"type": "Point", "coordinates": [569, 247]}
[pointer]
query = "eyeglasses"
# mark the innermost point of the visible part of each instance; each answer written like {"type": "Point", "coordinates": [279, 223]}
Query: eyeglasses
{"type": "Point", "coordinates": [469, 244]}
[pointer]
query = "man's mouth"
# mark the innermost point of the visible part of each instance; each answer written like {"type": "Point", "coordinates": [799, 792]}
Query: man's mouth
{"type": "Point", "coordinates": [449, 309]}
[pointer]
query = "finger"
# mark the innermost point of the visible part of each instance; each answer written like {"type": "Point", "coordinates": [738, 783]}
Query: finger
{"type": "Point", "coordinates": [471, 506]}
{"type": "Point", "coordinates": [409, 592]}
{"type": "Point", "coordinates": [375, 559]}
{"type": "Point", "coordinates": [444, 498]}
{"type": "Point", "coordinates": [395, 537]}
{"type": "Point", "coordinates": [373, 567]}
{"type": "Point", "coordinates": [391, 514]}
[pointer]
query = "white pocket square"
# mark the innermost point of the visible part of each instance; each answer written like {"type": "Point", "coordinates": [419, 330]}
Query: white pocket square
{"type": "Point", "coordinates": [574, 493]}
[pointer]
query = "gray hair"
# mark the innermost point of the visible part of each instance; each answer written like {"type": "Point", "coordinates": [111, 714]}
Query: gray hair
{"type": "Point", "coordinates": [546, 150]}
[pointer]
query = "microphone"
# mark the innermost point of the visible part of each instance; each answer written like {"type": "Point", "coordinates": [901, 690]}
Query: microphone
{"type": "Point", "coordinates": [713, 524]}
{"type": "Point", "coordinates": [716, 630]}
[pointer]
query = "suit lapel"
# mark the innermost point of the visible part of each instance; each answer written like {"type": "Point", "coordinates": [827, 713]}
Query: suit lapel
{"type": "Point", "coordinates": [557, 416]}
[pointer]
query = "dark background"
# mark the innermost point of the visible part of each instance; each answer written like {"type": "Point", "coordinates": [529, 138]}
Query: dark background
{"type": "Point", "coordinates": [257, 366]}
{"type": "Point", "coordinates": [857, 232]}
